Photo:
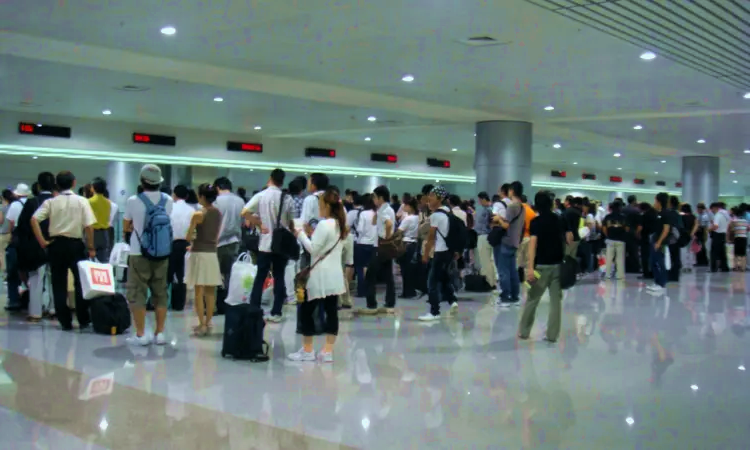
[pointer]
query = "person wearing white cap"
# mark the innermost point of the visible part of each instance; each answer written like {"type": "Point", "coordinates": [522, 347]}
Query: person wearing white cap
{"type": "Point", "coordinates": [21, 192]}
{"type": "Point", "coordinates": [147, 220]}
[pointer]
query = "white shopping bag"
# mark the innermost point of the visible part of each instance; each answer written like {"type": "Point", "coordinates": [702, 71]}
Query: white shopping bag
{"type": "Point", "coordinates": [119, 255]}
{"type": "Point", "coordinates": [667, 258]}
{"type": "Point", "coordinates": [241, 281]}
{"type": "Point", "coordinates": [97, 279]}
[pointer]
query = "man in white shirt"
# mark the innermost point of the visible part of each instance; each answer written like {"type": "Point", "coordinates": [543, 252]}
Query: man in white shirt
{"type": "Point", "coordinates": [21, 192]}
{"type": "Point", "coordinates": [719, 227]}
{"type": "Point", "coordinates": [268, 205]}
{"type": "Point", "coordinates": [439, 284]}
{"type": "Point", "coordinates": [180, 217]}
{"type": "Point", "coordinates": [230, 205]}
{"type": "Point", "coordinates": [499, 207]}
{"type": "Point", "coordinates": [71, 220]}
{"type": "Point", "coordinates": [146, 274]}
{"type": "Point", "coordinates": [410, 227]}
{"type": "Point", "coordinates": [385, 220]}
{"type": "Point", "coordinates": [316, 185]}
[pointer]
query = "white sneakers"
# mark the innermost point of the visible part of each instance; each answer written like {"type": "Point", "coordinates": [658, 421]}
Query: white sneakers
{"type": "Point", "coordinates": [146, 339]}
{"type": "Point", "coordinates": [274, 319]}
{"type": "Point", "coordinates": [302, 355]}
{"type": "Point", "coordinates": [429, 317]}
{"type": "Point", "coordinates": [454, 308]}
{"type": "Point", "coordinates": [655, 289]}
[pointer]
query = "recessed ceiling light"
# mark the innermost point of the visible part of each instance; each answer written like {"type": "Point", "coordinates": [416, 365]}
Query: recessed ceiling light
{"type": "Point", "coordinates": [107, 112]}
{"type": "Point", "coordinates": [619, 168]}
{"type": "Point", "coordinates": [475, 135]}
{"type": "Point", "coordinates": [549, 108]}
{"type": "Point", "coordinates": [663, 161]}
{"type": "Point", "coordinates": [575, 163]}
{"type": "Point", "coordinates": [694, 387]}
{"type": "Point", "coordinates": [169, 31]}
{"type": "Point", "coordinates": [657, 173]}
{"type": "Point", "coordinates": [407, 78]}
{"type": "Point", "coordinates": [368, 139]}
{"type": "Point", "coordinates": [34, 157]}
{"type": "Point", "coordinates": [355, 176]}
{"type": "Point", "coordinates": [747, 95]}
{"type": "Point", "coordinates": [556, 145]}
{"type": "Point", "coordinates": [747, 151]}
{"type": "Point", "coordinates": [257, 127]}
{"type": "Point", "coordinates": [454, 149]}
{"type": "Point", "coordinates": [648, 56]}
{"type": "Point", "coordinates": [617, 155]}
{"type": "Point", "coordinates": [218, 99]}
{"type": "Point", "coordinates": [701, 141]}
{"type": "Point", "coordinates": [734, 181]}
{"type": "Point", "coordinates": [638, 127]}
{"type": "Point", "coordinates": [372, 119]}
{"type": "Point", "coordinates": [732, 171]}
{"type": "Point", "coordinates": [629, 420]}
{"type": "Point", "coordinates": [741, 367]}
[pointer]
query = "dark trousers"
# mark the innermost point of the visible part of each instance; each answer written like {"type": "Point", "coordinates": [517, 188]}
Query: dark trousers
{"type": "Point", "coordinates": [646, 259]}
{"type": "Point", "coordinates": [701, 258]}
{"type": "Point", "coordinates": [176, 274]}
{"type": "Point", "coordinates": [439, 285]}
{"type": "Point", "coordinates": [227, 255]}
{"type": "Point", "coordinates": [14, 279]}
{"type": "Point", "coordinates": [307, 310]}
{"type": "Point", "coordinates": [268, 262]}
{"type": "Point", "coordinates": [408, 270]}
{"type": "Point", "coordinates": [380, 268]}
{"type": "Point", "coordinates": [675, 262]}
{"type": "Point", "coordinates": [719, 251]}
{"type": "Point", "coordinates": [632, 262]}
{"type": "Point", "coordinates": [64, 254]}
{"type": "Point", "coordinates": [363, 255]}
{"type": "Point", "coordinates": [102, 245]}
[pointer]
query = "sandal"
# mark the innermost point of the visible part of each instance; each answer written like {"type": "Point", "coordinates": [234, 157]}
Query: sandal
{"type": "Point", "coordinates": [32, 319]}
{"type": "Point", "coordinates": [523, 338]}
{"type": "Point", "coordinates": [200, 331]}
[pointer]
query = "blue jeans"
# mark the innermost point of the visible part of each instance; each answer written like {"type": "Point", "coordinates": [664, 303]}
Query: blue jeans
{"type": "Point", "coordinates": [505, 260]}
{"type": "Point", "coordinates": [439, 285]}
{"type": "Point", "coordinates": [362, 256]}
{"type": "Point", "coordinates": [14, 280]}
{"type": "Point", "coordinates": [658, 266]}
{"type": "Point", "coordinates": [266, 263]}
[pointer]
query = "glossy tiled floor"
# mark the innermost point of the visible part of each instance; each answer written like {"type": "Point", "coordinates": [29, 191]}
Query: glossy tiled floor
{"type": "Point", "coordinates": [630, 371]}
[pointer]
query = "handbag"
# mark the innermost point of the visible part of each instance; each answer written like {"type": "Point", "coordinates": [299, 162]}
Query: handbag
{"type": "Point", "coordinates": [497, 233]}
{"type": "Point", "coordinates": [301, 279]}
{"type": "Point", "coordinates": [283, 241]}
{"type": "Point", "coordinates": [392, 247]}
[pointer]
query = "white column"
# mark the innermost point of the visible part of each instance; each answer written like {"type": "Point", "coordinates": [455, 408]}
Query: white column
{"type": "Point", "coordinates": [369, 183]}
{"type": "Point", "coordinates": [122, 181]}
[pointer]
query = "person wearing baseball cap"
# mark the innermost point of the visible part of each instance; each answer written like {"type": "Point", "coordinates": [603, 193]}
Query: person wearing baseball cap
{"type": "Point", "coordinates": [146, 273]}
{"type": "Point", "coordinates": [439, 284]}
{"type": "Point", "coordinates": [21, 192]}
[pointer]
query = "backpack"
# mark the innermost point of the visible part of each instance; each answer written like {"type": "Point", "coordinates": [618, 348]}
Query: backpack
{"type": "Point", "coordinates": [156, 239]}
{"type": "Point", "coordinates": [110, 314]}
{"type": "Point", "coordinates": [457, 239]}
{"type": "Point", "coordinates": [683, 238]}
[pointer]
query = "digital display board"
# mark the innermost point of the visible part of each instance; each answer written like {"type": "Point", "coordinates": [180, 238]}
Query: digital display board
{"type": "Point", "coordinates": [39, 129]}
{"type": "Point", "coordinates": [154, 139]}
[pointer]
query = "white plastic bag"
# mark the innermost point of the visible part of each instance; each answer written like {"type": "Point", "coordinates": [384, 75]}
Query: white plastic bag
{"type": "Point", "coordinates": [97, 279]}
{"type": "Point", "coordinates": [241, 281]}
{"type": "Point", "coordinates": [667, 258]}
{"type": "Point", "coordinates": [584, 232]}
{"type": "Point", "coordinates": [119, 255]}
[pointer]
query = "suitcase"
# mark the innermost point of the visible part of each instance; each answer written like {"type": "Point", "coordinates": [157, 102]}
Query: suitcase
{"type": "Point", "coordinates": [110, 314]}
{"type": "Point", "coordinates": [243, 334]}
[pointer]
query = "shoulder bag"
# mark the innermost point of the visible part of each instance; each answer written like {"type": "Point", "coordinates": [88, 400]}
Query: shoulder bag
{"type": "Point", "coordinates": [301, 279]}
{"type": "Point", "coordinates": [498, 233]}
{"type": "Point", "coordinates": [283, 241]}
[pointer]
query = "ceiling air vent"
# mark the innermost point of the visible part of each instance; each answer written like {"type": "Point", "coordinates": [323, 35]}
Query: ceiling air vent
{"type": "Point", "coordinates": [482, 41]}
{"type": "Point", "coordinates": [132, 88]}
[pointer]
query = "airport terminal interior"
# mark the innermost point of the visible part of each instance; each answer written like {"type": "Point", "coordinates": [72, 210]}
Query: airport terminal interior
{"type": "Point", "coordinates": [604, 105]}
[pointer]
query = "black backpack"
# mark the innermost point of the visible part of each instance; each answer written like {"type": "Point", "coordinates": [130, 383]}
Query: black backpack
{"type": "Point", "coordinates": [110, 314]}
{"type": "Point", "coordinates": [457, 239]}
{"type": "Point", "coordinates": [243, 334]}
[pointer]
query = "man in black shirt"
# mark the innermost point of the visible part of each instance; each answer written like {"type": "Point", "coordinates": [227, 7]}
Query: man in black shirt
{"type": "Point", "coordinates": [646, 227]}
{"type": "Point", "coordinates": [615, 228]}
{"type": "Point", "coordinates": [548, 235]}
{"type": "Point", "coordinates": [572, 220]}
{"type": "Point", "coordinates": [659, 241]}
{"type": "Point", "coordinates": [632, 218]}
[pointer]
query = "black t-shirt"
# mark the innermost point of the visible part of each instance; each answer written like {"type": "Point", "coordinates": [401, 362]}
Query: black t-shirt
{"type": "Point", "coordinates": [649, 222]}
{"type": "Point", "coordinates": [632, 217]}
{"type": "Point", "coordinates": [549, 230]}
{"type": "Point", "coordinates": [688, 220]}
{"type": "Point", "coordinates": [572, 219]}
{"type": "Point", "coordinates": [666, 217]}
{"type": "Point", "coordinates": [616, 223]}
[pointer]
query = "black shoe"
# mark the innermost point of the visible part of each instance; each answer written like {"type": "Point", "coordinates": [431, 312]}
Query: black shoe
{"type": "Point", "coordinates": [12, 308]}
{"type": "Point", "coordinates": [408, 296]}
{"type": "Point", "coordinates": [66, 327]}
{"type": "Point", "coordinates": [84, 327]}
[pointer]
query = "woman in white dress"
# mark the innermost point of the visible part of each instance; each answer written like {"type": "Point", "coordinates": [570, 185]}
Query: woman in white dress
{"type": "Point", "coordinates": [326, 281]}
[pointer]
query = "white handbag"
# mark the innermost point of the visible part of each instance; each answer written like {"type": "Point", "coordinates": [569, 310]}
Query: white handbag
{"type": "Point", "coordinates": [119, 255]}
{"type": "Point", "coordinates": [241, 281]}
{"type": "Point", "coordinates": [97, 279]}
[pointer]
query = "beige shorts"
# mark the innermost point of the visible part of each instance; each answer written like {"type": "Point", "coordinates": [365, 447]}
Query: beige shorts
{"type": "Point", "coordinates": [145, 275]}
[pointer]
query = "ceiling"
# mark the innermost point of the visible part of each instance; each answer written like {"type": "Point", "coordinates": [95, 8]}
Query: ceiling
{"type": "Point", "coordinates": [318, 69]}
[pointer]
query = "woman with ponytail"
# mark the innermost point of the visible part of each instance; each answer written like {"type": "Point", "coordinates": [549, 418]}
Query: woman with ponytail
{"type": "Point", "coordinates": [203, 272]}
{"type": "Point", "coordinates": [326, 281]}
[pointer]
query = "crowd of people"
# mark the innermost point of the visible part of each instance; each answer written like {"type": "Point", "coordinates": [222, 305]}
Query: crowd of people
{"type": "Point", "coordinates": [342, 244]}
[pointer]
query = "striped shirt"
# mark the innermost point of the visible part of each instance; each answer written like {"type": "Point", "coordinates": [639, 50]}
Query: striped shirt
{"type": "Point", "coordinates": [739, 228]}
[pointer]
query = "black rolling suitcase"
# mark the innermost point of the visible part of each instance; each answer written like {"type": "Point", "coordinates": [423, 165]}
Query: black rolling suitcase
{"type": "Point", "coordinates": [110, 314]}
{"type": "Point", "coordinates": [243, 334]}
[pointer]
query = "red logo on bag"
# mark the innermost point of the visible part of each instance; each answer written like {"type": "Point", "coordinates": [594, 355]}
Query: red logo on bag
{"type": "Point", "coordinates": [100, 277]}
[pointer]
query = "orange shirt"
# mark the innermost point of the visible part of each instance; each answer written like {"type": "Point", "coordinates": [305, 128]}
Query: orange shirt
{"type": "Point", "coordinates": [530, 215]}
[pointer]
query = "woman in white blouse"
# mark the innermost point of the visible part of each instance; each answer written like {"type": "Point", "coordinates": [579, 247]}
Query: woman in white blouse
{"type": "Point", "coordinates": [326, 280]}
{"type": "Point", "coordinates": [365, 239]}
{"type": "Point", "coordinates": [409, 226]}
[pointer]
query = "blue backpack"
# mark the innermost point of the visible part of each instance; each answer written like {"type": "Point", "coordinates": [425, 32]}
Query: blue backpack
{"type": "Point", "coordinates": [156, 240]}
